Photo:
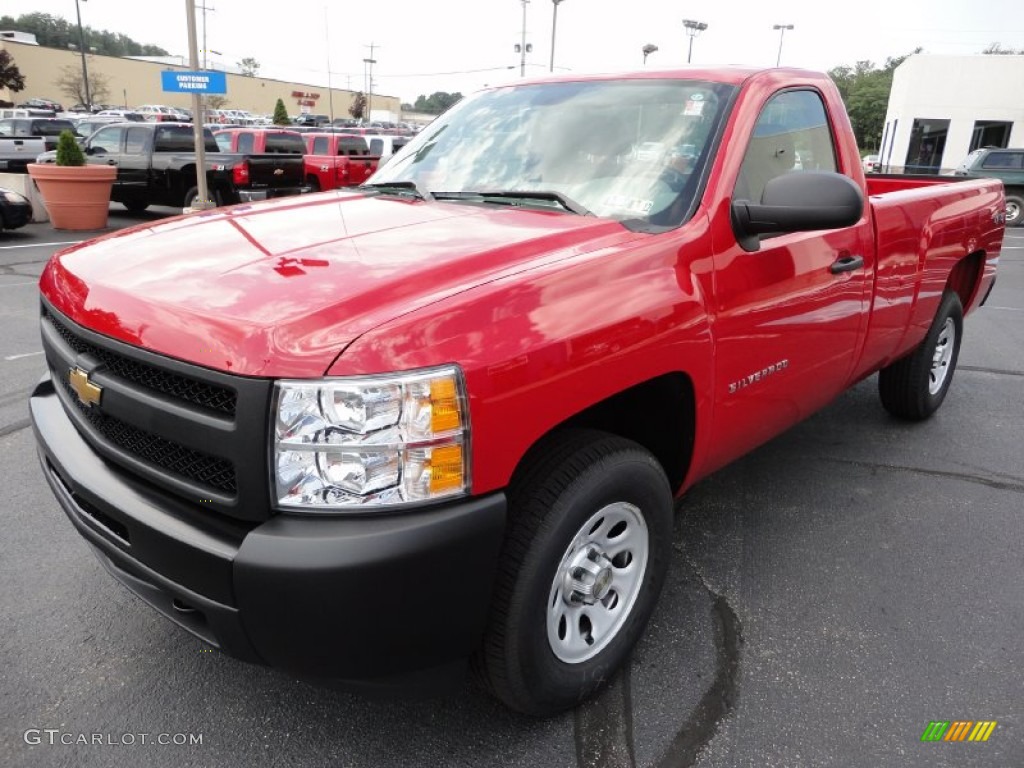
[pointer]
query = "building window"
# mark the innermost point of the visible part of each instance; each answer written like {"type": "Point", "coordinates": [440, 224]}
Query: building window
{"type": "Point", "coordinates": [990, 133]}
{"type": "Point", "coordinates": [927, 143]}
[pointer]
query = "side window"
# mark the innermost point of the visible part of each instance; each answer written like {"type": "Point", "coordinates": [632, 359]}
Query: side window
{"type": "Point", "coordinates": [135, 141]}
{"type": "Point", "coordinates": [320, 145]}
{"type": "Point", "coordinates": [791, 135]}
{"type": "Point", "coordinates": [223, 142]}
{"type": "Point", "coordinates": [1003, 160]}
{"type": "Point", "coordinates": [107, 140]}
{"type": "Point", "coordinates": [6, 128]}
{"type": "Point", "coordinates": [246, 142]}
{"type": "Point", "coordinates": [376, 146]}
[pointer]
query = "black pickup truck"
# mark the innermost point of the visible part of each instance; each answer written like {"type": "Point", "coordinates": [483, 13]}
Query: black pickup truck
{"type": "Point", "coordinates": [156, 165]}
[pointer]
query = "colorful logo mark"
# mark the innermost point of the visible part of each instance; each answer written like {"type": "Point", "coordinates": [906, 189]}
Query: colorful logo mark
{"type": "Point", "coordinates": [959, 730]}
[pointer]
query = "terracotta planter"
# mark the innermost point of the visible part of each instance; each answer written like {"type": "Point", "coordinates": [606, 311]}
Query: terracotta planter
{"type": "Point", "coordinates": [76, 197]}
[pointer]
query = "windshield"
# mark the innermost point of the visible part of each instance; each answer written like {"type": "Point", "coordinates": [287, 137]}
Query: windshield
{"type": "Point", "coordinates": [630, 150]}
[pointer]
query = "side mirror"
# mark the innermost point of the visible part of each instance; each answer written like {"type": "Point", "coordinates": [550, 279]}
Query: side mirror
{"type": "Point", "coordinates": [94, 150]}
{"type": "Point", "coordinates": [802, 201]}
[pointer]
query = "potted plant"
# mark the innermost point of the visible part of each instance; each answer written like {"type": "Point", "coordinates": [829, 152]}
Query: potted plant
{"type": "Point", "coordinates": [76, 195]}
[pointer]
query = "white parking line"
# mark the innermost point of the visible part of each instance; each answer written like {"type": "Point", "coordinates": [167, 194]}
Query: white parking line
{"type": "Point", "coordinates": [26, 354]}
{"type": "Point", "coordinates": [39, 245]}
{"type": "Point", "coordinates": [1004, 309]}
{"type": "Point", "coordinates": [15, 285]}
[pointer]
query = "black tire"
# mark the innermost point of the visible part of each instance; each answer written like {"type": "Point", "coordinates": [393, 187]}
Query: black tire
{"type": "Point", "coordinates": [1014, 210]}
{"type": "Point", "coordinates": [914, 386]}
{"type": "Point", "coordinates": [570, 481]}
{"type": "Point", "coordinates": [314, 184]}
{"type": "Point", "coordinates": [193, 193]}
{"type": "Point", "coordinates": [135, 206]}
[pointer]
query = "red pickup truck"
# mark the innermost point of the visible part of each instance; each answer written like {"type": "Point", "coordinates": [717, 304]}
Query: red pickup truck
{"type": "Point", "coordinates": [445, 416]}
{"type": "Point", "coordinates": [337, 160]}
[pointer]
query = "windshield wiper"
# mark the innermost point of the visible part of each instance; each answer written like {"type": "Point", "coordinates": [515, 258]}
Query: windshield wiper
{"type": "Point", "coordinates": [517, 197]}
{"type": "Point", "coordinates": [398, 188]}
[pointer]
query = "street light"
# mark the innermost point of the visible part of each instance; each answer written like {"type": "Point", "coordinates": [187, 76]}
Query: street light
{"type": "Point", "coordinates": [85, 69]}
{"type": "Point", "coordinates": [782, 33]}
{"type": "Point", "coordinates": [648, 50]}
{"type": "Point", "coordinates": [693, 28]}
{"type": "Point", "coordinates": [554, 22]}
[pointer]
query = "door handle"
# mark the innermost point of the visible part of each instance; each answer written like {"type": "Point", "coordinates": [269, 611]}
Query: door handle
{"type": "Point", "coordinates": [846, 264]}
{"type": "Point", "coordinates": [111, 162]}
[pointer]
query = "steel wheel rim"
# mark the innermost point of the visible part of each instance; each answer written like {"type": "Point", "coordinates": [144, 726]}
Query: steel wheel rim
{"type": "Point", "coordinates": [597, 582]}
{"type": "Point", "coordinates": [1012, 211]}
{"type": "Point", "coordinates": [942, 357]}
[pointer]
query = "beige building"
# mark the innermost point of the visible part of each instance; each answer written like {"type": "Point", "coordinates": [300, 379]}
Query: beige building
{"type": "Point", "coordinates": [132, 83]}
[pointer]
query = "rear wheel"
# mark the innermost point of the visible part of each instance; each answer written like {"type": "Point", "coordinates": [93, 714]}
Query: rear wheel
{"type": "Point", "coordinates": [583, 564]}
{"type": "Point", "coordinates": [193, 194]}
{"type": "Point", "coordinates": [914, 386]}
{"type": "Point", "coordinates": [135, 206]}
{"type": "Point", "coordinates": [314, 183]}
{"type": "Point", "coordinates": [1014, 210]}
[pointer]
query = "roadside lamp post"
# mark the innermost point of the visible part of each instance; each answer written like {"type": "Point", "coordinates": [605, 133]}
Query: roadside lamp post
{"type": "Point", "coordinates": [648, 50]}
{"type": "Point", "coordinates": [85, 69]}
{"type": "Point", "coordinates": [554, 23]}
{"type": "Point", "coordinates": [693, 28]}
{"type": "Point", "coordinates": [523, 48]}
{"type": "Point", "coordinates": [782, 33]}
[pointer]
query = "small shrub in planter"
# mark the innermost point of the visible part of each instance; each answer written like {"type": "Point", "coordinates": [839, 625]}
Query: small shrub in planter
{"type": "Point", "coordinates": [68, 151]}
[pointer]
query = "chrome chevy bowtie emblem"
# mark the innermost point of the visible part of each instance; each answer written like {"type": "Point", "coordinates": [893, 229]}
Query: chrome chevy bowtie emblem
{"type": "Point", "coordinates": [87, 392]}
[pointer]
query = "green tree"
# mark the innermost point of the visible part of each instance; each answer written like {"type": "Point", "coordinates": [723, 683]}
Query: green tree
{"type": "Point", "coordinates": [358, 107]}
{"type": "Point", "coordinates": [249, 66]}
{"type": "Point", "coordinates": [996, 49]}
{"type": "Point", "coordinates": [281, 114]}
{"type": "Point", "coordinates": [56, 32]}
{"type": "Point", "coordinates": [216, 101]}
{"type": "Point", "coordinates": [10, 76]}
{"type": "Point", "coordinates": [865, 90]}
{"type": "Point", "coordinates": [72, 84]}
{"type": "Point", "coordinates": [437, 102]}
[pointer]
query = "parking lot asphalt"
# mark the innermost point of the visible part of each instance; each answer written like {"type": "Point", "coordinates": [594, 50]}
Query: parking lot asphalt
{"type": "Point", "coordinates": [833, 592]}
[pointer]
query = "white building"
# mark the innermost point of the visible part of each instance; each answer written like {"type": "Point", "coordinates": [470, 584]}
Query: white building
{"type": "Point", "coordinates": [943, 107]}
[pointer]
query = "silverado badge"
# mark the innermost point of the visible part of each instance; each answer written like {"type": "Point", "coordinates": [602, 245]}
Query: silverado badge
{"type": "Point", "coordinates": [87, 392]}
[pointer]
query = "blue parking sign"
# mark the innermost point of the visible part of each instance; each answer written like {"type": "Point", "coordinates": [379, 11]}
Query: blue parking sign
{"type": "Point", "coordinates": [194, 82]}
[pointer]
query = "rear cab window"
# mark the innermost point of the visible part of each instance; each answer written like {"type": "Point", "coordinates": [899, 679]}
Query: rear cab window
{"type": "Point", "coordinates": [179, 138]}
{"type": "Point", "coordinates": [285, 144]}
{"type": "Point", "coordinates": [1007, 160]}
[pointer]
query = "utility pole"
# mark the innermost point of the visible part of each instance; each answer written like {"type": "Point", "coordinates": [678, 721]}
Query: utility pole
{"type": "Point", "coordinates": [369, 90]}
{"type": "Point", "coordinates": [522, 47]}
{"type": "Point", "coordinates": [202, 201]}
{"type": "Point", "coordinates": [330, 88]}
{"type": "Point", "coordinates": [205, 9]}
{"type": "Point", "coordinates": [554, 24]}
{"type": "Point", "coordinates": [85, 69]}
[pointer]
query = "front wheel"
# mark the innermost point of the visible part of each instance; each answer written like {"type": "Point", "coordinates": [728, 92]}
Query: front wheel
{"type": "Point", "coordinates": [914, 386]}
{"type": "Point", "coordinates": [583, 564]}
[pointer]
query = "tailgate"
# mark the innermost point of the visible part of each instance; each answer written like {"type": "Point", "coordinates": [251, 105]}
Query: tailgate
{"type": "Point", "coordinates": [276, 170]}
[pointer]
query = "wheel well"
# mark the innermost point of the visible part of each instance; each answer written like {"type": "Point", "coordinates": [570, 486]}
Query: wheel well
{"type": "Point", "coordinates": [1014, 191]}
{"type": "Point", "coordinates": [966, 276]}
{"type": "Point", "coordinates": [659, 414]}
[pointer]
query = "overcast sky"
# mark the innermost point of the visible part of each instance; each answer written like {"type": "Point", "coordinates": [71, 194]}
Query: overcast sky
{"type": "Point", "coordinates": [461, 45]}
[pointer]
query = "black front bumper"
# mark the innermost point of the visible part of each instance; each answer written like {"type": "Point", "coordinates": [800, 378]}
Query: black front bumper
{"type": "Point", "coordinates": [357, 598]}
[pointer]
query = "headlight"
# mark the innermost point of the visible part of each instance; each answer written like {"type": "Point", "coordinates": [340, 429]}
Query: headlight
{"type": "Point", "coordinates": [366, 442]}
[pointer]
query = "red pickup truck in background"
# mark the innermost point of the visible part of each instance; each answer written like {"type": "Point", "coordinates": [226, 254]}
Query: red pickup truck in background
{"type": "Point", "coordinates": [337, 160]}
{"type": "Point", "coordinates": [445, 416]}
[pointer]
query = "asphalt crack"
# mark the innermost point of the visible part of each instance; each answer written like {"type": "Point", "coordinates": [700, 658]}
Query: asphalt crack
{"type": "Point", "coordinates": [603, 726]}
{"type": "Point", "coordinates": [997, 371]}
{"type": "Point", "coordinates": [16, 426]}
{"type": "Point", "coordinates": [1016, 487]}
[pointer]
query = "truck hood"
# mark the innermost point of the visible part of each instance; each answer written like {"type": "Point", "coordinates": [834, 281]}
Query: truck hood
{"type": "Point", "coordinates": [280, 288]}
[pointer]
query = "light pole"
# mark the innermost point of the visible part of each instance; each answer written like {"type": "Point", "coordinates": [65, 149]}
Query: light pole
{"type": "Point", "coordinates": [782, 33]}
{"type": "Point", "coordinates": [648, 50]}
{"type": "Point", "coordinates": [693, 28]}
{"type": "Point", "coordinates": [85, 69]}
{"type": "Point", "coordinates": [554, 23]}
{"type": "Point", "coordinates": [522, 49]}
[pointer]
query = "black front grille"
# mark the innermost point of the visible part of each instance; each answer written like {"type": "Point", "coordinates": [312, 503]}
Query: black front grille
{"type": "Point", "coordinates": [209, 396]}
{"type": "Point", "coordinates": [186, 463]}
